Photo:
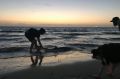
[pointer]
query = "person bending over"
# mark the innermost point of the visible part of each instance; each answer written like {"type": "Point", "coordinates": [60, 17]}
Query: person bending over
{"type": "Point", "coordinates": [33, 35]}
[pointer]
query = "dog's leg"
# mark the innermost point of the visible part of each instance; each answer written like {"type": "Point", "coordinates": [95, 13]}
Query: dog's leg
{"type": "Point", "coordinates": [98, 76]}
{"type": "Point", "coordinates": [100, 72]}
{"type": "Point", "coordinates": [110, 69]}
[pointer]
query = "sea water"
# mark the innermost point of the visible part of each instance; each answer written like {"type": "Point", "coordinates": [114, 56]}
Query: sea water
{"type": "Point", "coordinates": [13, 43]}
{"type": "Point", "coordinates": [74, 43]}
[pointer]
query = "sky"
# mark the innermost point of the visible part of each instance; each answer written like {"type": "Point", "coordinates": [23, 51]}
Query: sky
{"type": "Point", "coordinates": [35, 12]}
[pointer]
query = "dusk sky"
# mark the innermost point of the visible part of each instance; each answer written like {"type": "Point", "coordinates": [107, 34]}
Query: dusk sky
{"type": "Point", "coordinates": [83, 12]}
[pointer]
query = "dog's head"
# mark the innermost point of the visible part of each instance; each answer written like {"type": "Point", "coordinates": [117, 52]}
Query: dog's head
{"type": "Point", "coordinates": [115, 21]}
{"type": "Point", "coordinates": [96, 54]}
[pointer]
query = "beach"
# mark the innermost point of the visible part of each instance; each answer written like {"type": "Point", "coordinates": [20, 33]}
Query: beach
{"type": "Point", "coordinates": [70, 60]}
{"type": "Point", "coordinates": [59, 39]}
{"type": "Point", "coordinates": [76, 65]}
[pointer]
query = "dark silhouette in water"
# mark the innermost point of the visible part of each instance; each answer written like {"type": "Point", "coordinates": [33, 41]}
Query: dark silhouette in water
{"type": "Point", "coordinates": [109, 54]}
{"type": "Point", "coordinates": [116, 22]}
{"type": "Point", "coordinates": [33, 35]}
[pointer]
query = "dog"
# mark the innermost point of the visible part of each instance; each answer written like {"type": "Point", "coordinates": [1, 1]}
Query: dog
{"type": "Point", "coordinates": [116, 22]}
{"type": "Point", "coordinates": [109, 54]}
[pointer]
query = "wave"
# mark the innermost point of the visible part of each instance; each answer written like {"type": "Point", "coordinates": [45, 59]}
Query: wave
{"type": "Point", "coordinates": [13, 52]}
{"type": "Point", "coordinates": [102, 38]}
{"type": "Point", "coordinates": [112, 32]}
{"type": "Point", "coordinates": [117, 39]}
{"type": "Point", "coordinates": [110, 39]}
{"type": "Point", "coordinates": [45, 39]}
{"type": "Point", "coordinates": [12, 49]}
{"type": "Point", "coordinates": [84, 47]}
{"type": "Point", "coordinates": [86, 37]}
{"type": "Point", "coordinates": [6, 31]}
{"type": "Point", "coordinates": [48, 49]}
{"type": "Point", "coordinates": [9, 39]}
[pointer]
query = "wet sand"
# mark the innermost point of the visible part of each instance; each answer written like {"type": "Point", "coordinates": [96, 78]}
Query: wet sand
{"type": "Point", "coordinates": [72, 66]}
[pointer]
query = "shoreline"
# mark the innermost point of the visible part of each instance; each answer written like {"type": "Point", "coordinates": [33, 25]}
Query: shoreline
{"type": "Point", "coordinates": [73, 66]}
{"type": "Point", "coordinates": [18, 63]}
{"type": "Point", "coordinates": [76, 70]}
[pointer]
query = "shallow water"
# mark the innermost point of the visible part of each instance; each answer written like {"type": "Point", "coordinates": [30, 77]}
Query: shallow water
{"type": "Point", "coordinates": [15, 64]}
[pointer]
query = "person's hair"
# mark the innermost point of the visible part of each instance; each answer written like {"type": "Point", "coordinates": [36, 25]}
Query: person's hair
{"type": "Point", "coordinates": [115, 21]}
{"type": "Point", "coordinates": [42, 31]}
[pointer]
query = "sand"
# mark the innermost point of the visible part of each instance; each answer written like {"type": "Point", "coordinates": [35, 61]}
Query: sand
{"type": "Point", "coordinates": [76, 70]}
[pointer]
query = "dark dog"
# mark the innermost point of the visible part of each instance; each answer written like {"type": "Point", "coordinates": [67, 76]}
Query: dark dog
{"type": "Point", "coordinates": [116, 22]}
{"type": "Point", "coordinates": [109, 54]}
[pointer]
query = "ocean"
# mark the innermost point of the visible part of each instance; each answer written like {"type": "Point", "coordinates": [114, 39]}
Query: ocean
{"type": "Point", "coordinates": [13, 43]}
{"type": "Point", "coordinates": [72, 44]}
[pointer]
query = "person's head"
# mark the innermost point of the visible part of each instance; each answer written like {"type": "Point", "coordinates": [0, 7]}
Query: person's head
{"type": "Point", "coordinates": [42, 31]}
{"type": "Point", "coordinates": [115, 21]}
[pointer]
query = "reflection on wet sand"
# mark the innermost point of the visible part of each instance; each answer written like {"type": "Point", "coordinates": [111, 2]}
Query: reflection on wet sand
{"type": "Point", "coordinates": [14, 64]}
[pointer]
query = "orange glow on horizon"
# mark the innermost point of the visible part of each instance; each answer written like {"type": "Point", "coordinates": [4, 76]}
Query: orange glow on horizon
{"type": "Point", "coordinates": [54, 20]}
{"type": "Point", "coordinates": [48, 17]}
{"type": "Point", "coordinates": [35, 12]}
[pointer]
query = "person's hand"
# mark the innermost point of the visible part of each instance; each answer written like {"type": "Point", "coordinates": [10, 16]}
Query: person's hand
{"type": "Point", "coordinates": [40, 47]}
{"type": "Point", "coordinates": [43, 48]}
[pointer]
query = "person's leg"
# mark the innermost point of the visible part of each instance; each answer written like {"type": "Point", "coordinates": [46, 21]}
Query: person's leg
{"type": "Point", "coordinates": [37, 50]}
{"type": "Point", "coordinates": [36, 46]}
{"type": "Point", "coordinates": [32, 45]}
{"type": "Point", "coordinates": [34, 61]}
{"type": "Point", "coordinates": [41, 58]}
{"type": "Point", "coordinates": [31, 57]}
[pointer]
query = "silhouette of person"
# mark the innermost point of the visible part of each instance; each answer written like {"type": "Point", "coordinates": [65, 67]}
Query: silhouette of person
{"type": "Point", "coordinates": [116, 22]}
{"type": "Point", "coordinates": [33, 35]}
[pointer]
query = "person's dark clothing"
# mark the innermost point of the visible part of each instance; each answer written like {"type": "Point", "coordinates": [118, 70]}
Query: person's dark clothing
{"type": "Point", "coordinates": [32, 33]}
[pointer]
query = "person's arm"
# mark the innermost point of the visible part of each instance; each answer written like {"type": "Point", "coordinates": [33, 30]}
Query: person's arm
{"type": "Point", "coordinates": [39, 41]}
